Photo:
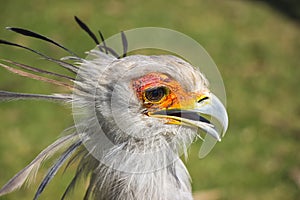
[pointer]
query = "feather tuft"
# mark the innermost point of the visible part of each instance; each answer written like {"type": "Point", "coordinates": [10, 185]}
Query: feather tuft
{"type": "Point", "coordinates": [39, 36]}
{"type": "Point", "coordinates": [36, 77]}
{"type": "Point", "coordinates": [63, 64]}
{"type": "Point", "coordinates": [29, 171]}
{"type": "Point", "coordinates": [53, 170]}
{"type": "Point", "coordinates": [10, 96]}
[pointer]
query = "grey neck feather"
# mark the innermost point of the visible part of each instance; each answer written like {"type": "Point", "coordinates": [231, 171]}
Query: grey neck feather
{"type": "Point", "coordinates": [171, 183]}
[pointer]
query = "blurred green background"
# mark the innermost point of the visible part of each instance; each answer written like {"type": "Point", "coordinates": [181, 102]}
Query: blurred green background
{"type": "Point", "coordinates": [255, 47]}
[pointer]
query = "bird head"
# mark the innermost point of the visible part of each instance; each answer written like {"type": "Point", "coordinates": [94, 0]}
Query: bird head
{"type": "Point", "coordinates": [147, 104]}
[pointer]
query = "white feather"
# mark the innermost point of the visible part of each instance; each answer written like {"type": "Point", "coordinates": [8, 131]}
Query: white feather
{"type": "Point", "coordinates": [29, 172]}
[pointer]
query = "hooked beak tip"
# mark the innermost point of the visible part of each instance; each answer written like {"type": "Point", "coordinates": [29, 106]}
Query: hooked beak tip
{"type": "Point", "coordinates": [209, 115]}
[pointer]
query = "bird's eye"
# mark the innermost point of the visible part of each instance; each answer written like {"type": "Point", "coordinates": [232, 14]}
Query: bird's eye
{"type": "Point", "coordinates": [156, 94]}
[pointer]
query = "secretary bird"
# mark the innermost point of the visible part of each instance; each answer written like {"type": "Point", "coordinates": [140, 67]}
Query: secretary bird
{"type": "Point", "coordinates": [135, 115]}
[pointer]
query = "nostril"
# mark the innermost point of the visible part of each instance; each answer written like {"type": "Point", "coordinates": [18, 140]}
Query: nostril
{"type": "Point", "coordinates": [202, 99]}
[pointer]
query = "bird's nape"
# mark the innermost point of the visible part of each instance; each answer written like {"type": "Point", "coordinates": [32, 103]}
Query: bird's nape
{"type": "Point", "coordinates": [134, 115]}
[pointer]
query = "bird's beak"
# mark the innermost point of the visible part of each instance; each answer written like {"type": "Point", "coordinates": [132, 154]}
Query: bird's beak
{"type": "Point", "coordinates": [208, 114]}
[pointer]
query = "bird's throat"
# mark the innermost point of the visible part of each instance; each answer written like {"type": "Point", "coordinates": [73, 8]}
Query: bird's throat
{"type": "Point", "coordinates": [170, 183]}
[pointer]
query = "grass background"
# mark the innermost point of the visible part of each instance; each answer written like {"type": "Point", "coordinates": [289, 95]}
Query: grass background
{"type": "Point", "coordinates": [255, 48]}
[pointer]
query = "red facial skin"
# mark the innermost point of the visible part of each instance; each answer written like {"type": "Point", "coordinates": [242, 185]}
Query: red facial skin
{"type": "Point", "coordinates": [176, 98]}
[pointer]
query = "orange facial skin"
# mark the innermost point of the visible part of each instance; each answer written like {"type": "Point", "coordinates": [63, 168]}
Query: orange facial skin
{"type": "Point", "coordinates": [176, 96]}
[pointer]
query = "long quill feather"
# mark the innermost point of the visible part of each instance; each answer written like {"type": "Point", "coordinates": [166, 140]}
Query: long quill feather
{"type": "Point", "coordinates": [29, 171]}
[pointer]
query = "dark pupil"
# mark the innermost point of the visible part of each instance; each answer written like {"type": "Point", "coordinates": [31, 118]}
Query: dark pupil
{"type": "Point", "coordinates": [155, 94]}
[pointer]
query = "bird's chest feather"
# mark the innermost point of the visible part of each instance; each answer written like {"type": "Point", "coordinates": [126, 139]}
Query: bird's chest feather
{"type": "Point", "coordinates": [170, 183]}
